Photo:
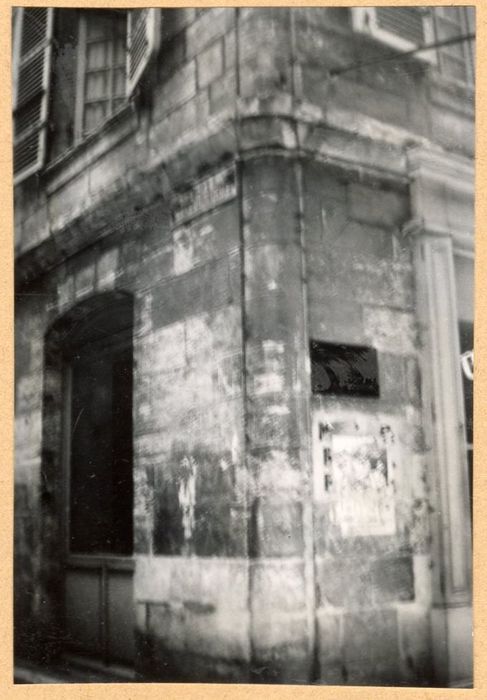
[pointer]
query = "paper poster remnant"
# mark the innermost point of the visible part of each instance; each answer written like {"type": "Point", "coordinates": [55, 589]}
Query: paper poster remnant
{"type": "Point", "coordinates": [354, 465]}
{"type": "Point", "coordinates": [187, 494]}
{"type": "Point", "coordinates": [361, 485]}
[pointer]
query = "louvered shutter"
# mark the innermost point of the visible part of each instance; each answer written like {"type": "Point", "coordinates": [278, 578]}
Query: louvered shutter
{"type": "Point", "coordinates": [32, 66]}
{"type": "Point", "coordinates": [403, 28]}
{"type": "Point", "coordinates": [470, 29]}
{"type": "Point", "coordinates": [406, 22]}
{"type": "Point", "coordinates": [143, 34]}
{"type": "Point", "coordinates": [455, 60]}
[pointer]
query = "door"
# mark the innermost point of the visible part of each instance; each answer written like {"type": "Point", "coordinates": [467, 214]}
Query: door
{"type": "Point", "coordinates": [98, 594]}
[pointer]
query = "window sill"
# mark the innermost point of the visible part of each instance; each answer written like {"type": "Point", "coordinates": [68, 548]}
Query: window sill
{"type": "Point", "coordinates": [93, 146]}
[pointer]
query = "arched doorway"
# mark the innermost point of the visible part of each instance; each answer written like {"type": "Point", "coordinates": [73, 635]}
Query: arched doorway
{"type": "Point", "coordinates": [88, 429]}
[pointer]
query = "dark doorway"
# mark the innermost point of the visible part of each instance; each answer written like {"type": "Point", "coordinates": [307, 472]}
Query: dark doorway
{"type": "Point", "coordinates": [90, 356]}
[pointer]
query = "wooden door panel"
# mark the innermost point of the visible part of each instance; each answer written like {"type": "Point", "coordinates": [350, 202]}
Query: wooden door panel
{"type": "Point", "coordinates": [83, 608]}
{"type": "Point", "coordinates": [121, 617]}
{"type": "Point", "coordinates": [98, 488]}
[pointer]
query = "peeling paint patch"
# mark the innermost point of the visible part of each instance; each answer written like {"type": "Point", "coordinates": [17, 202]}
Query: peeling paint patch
{"type": "Point", "coordinates": [278, 410]}
{"type": "Point", "coordinates": [183, 251]}
{"type": "Point", "coordinates": [106, 269]}
{"type": "Point", "coordinates": [235, 448]}
{"type": "Point", "coordinates": [187, 494]}
{"type": "Point", "coordinates": [169, 347]}
{"type": "Point", "coordinates": [288, 135]}
{"type": "Point", "coordinates": [390, 330]}
{"type": "Point", "coordinates": [268, 382]}
{"type": "Point", "coordinates": [229, 374]}
{"type": "Point", "coordinates": [145, 316]}
{"type": "Point", "coordinates": [65, 293]}
{"type": "Point", "coordinates": [84, 282]}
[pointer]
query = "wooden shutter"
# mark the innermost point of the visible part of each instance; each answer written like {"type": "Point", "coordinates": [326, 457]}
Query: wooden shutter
{"type": "Point", "coordinates": [470, 29]}
{"type": "Point", "coordinates": [403, 28]}
{"type": "Point", "coordinates": [406, 22]}
{"type": "Point", "coordinates": [455, 60]}
{"type": "Point", "coordinates": [143, 33]}
{"type": "Point", "coordinates": [33, 31]}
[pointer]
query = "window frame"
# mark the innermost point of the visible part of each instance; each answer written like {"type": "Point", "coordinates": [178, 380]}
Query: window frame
{"type": "Point", "coordinates": [365, 22]}
{"type": "Point", "coordinates": [469, 49]}
{"type": "Point", "coordinates": [466, 257]}
{"type": "Point", "coordinates": [80, 134]}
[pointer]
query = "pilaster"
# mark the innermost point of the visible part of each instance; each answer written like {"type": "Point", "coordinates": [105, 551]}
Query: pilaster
{"type": "Point", "coordinates": [436, 181]}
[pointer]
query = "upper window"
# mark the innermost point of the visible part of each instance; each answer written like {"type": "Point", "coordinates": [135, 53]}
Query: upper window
{"type": "Point", "coordinates": [404, 28]}
{"type": "Point", "coordinates": [408, 28]}
{"type": "Point", "coordinates": [101, 72]}
{"type": "Point", "coordinates": [464, 277]}
{"type": "Point", "coordinates": [115, 48]}
{"type": "Point", "coordinates": [455, 60]}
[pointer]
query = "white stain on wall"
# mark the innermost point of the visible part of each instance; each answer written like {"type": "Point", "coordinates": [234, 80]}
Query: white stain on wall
{"type": "Point", "coordinates": [183, 251]}
{"type": "Point", "coordinates": [187, 494]}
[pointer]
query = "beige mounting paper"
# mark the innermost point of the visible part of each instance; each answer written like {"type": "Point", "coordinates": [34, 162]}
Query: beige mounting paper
{"type": "Point", "coordinates": [235, 692]}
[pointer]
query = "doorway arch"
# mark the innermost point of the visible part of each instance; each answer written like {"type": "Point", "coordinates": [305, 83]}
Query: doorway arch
{"type": "Point", "coordinates": [87, 478]}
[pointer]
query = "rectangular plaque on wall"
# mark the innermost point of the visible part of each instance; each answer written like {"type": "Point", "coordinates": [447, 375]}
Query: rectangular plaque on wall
{"type": "Point", "coordinates": [344, 370]}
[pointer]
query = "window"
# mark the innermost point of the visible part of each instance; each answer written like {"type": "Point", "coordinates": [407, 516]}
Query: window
{"type": "Point", "coordinates": [107, 74]}
{"type": "Point", "coordinates": [402, 28]}
{"type": "Point", "coordinates": [407, 28]}
{"type": "Point", "coordinates": [101, 73]}
{"type": "Point", "coordinates": [115, 48]}
{"type": "Point", "coordinates": [465, 298]}
{"type": "Point", "coordinates": [457, 60]}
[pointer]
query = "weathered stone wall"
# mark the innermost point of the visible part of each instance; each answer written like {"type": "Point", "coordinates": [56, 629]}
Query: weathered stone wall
{"type": "Point", "coordinates": [408, 95]}
{"type": "Point", "coordinates": [187, 400]}
{"type": "Point", "coordinates": [190, 484]}
{"type": "Point", "coordinates": [277, 400]}
{"type": "Point", "coordinates": [361, 291]}
{"type": "Point", "coordinates": [31, 314]}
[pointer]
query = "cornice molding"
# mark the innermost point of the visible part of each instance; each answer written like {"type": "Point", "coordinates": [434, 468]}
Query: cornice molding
{"type": "Point", "coordinates": [454, 171]}
{"type": "Point", "coordinates": [417, 227]}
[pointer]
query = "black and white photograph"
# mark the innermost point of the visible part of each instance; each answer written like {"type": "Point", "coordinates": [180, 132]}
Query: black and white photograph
{"type": "Point", "coordinates": [244, 345]}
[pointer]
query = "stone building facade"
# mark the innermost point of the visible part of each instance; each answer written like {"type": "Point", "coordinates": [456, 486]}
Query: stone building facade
{"type": "Point", "coordinates": [244, 294]}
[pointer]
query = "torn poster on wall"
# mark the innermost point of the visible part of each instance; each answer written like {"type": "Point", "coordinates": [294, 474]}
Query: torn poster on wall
{"type": "Point", "coordinates": [364, 494]}
{"type": "Point", "coordinates": [354, 474]}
